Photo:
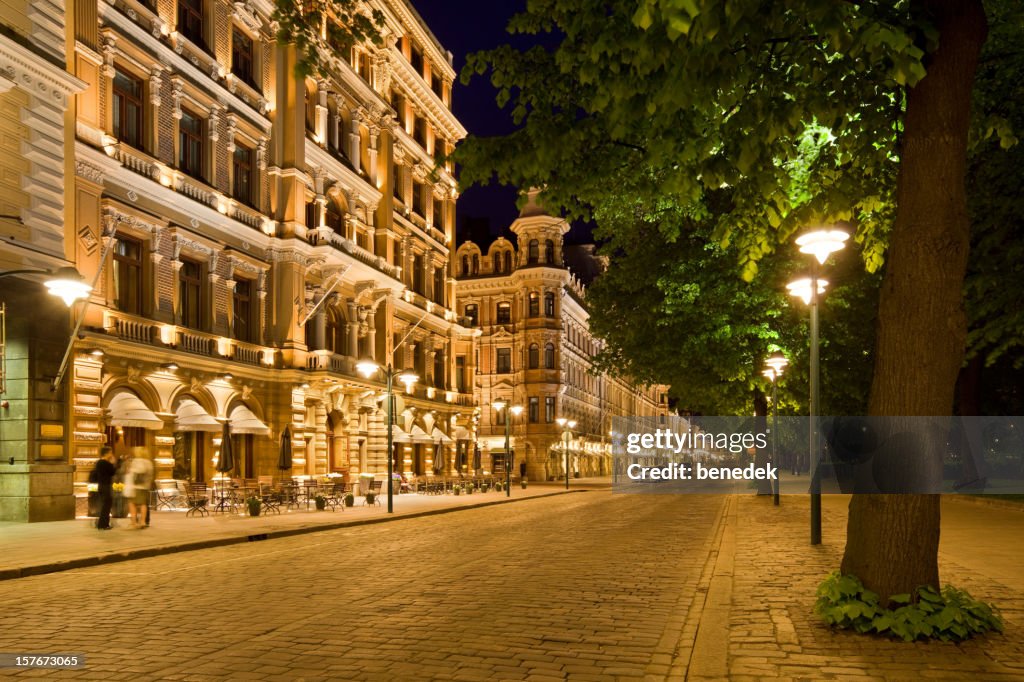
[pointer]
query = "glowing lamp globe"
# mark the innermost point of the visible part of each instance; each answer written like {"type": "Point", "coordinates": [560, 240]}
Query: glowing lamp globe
{"type": "Point", "coordinates": [367, 367]}
{"type": "Point", "coordinates": [68, 285]}
{"type": "Point", "coordinates": [801, 288]}
{"type": "Point", "coordinates": [822, 243]}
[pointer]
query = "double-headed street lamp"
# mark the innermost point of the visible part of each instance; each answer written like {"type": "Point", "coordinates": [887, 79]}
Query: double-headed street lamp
{"type": "Point", "coordinates": [368, 367]}
{"type": "Point", "coordinates": [516, 410]}
{"type": "Point", "coordinates": [567, 425]}
{"type": "Point", "coordinates": [776, 363]}
{"type": "Point", "coordinates": [821, 244]}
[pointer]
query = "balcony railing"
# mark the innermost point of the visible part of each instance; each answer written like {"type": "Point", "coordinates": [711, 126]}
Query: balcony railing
{"type": "Point", "coordinates": [199, 343]}
{"type": "Point", "coordinates": [359, 253]}
{"type": "Point", "coordinates": [131, 328]}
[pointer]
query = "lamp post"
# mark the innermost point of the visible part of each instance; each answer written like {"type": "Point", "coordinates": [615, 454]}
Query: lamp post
{"type": "Point", "coordinates": [567, 425]}
{"type": "Point", "coordinates": [516, 410]}
{"type": "Point", "coordinates": [367, 367]}
{"type": "Point", "coordinates": [821, 244]}
{"type": "Point", "coordinates": [776, 363]}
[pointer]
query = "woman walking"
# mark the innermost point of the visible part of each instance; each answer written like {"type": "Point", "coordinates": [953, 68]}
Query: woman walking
{"type": "Point", "coordinates": [137, 484]}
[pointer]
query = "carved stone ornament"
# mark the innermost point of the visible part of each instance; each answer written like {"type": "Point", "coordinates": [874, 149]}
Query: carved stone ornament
{"type": "Point", "coordinates": [155, 81]}
{"type": "Point", "coordinates": [246, 13]}
{"type": "Point", "coordinates": [89, 171]}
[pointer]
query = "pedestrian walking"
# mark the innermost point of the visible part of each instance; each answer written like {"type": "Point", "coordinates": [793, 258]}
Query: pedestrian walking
{"type": "Point", "coordinates": [104, 472]}
{"type": "Point", "coordinates": [138, 481]}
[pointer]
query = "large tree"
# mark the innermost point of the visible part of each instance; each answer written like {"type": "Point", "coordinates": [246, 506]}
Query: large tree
{"type": "Point", "coordinates": [709, 107]}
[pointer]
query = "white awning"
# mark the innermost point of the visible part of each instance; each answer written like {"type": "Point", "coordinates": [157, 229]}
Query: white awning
{"type": "Point", "coordinates": [127, 409]}
{"type": "Point", "coordinates": [418, 435]}
{"type": "Point", "coordinates": [244, 421]}
{"type": "Point", "coordinates": [462, 433]}
{"type": "Point", "coordinates": [439, 435]}
{"type": "Point", "coordinates": [398, 435]}
{"type": "Point", "coordinates": [190, 416]}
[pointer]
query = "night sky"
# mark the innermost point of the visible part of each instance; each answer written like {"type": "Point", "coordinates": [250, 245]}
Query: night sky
{"type": "Point", "coordinates": [463, 27]}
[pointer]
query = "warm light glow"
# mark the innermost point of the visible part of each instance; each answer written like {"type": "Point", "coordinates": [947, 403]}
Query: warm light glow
{"type": "Point", "coordinates": [516, 410]}
{"type": "Point", "coordinates": [165, 180]}
{"type": "Point", "coordinates": [367, 367]}
{"type": "Point", "coordinates": [777, 362]}
{"type": "Point", "coordinates": [68, 285]}
{"type": "Point", "coordinates": [499, 405]}
{"type": "Point", "coordinates": [801, 288]}
{"type": "Point", "coordinates": [561, 421]}
{"type": "Point", "coordinates": [408, 377]}
{"type": "Point", "coordinates": [769, 374]}
{"type": "Point", "coordinates": [572, 424]}
{"type": "Point", "coordinates": [822, 243]}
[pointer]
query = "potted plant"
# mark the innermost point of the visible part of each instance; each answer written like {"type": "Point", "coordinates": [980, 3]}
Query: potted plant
{"type": "Point", "coordinates": [321, 502]}
{"type": "Point", "coordinates": [370, 498]}
{"type": "Point", "coordinates": [469, 488]}
{"type": "Point", "coordinates": [457, 490]}
{"type": "Point", "coordinates": [483, 487]}
{"type": "Point", "coordinates": [254, 505]}
{"type": "Point", "coordinates": [350, 500]}
{"type": "Point", "coordinates": [523, 483]}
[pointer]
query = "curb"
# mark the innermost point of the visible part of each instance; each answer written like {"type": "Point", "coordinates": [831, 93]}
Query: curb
{"type": "Point", "coordinates": [984, 502]}
{"type": "Point", "coordinates": [145, 552]}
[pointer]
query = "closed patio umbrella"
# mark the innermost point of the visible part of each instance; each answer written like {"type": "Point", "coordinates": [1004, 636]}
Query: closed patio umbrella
{"type": "Point", "coordinates": [438, 457]}
{"type": "Point", "coordinates": [226, 461]}
{"type": "Point", "coordinates": [284, 458]}
{"type": "Point", "coordinates": [476, 458]}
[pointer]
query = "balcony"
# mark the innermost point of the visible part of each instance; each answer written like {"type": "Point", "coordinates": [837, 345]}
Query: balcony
{"type": "Point", "coordinates": [319, 237]}
{"type": "Point", "coordinates": [137, 329]}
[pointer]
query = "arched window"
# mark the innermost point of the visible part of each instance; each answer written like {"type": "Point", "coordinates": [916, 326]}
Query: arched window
{"type": "Point", "coordinates": [472, 312]}
{"type": "Point", "coordinates": [549, 304]}
{"type": "Point", "coordinates": [465, 265]}
{"type": "Point", "coordinates": [476, 264]}
{"type": "Point", "coordinates": [534, 356]}
{"type": "Point", "coordinates": [504, 313]}
{"type": "Point", "coordinates": [333, 220]}
{"type": "Point", "coordinates": [534, 304]}
{"type": "Point", "coordinates": [335, 334]}
{"type": "Point", "coordinates": [508, 261]}
{"type": "Point", "coordinates": [497, 262]}
{"type": "Point", "coordinates": [534, 253]}
{"type": "Point", "coordinates": [549, 252]}
{"type": "Point", "coordinates": [549, 356]}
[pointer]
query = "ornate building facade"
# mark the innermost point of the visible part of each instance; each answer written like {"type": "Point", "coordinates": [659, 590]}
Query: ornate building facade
{"type": "Point", "coordinates": [251, 235]}
{"type": "Point", "coordinates": [536, 351]}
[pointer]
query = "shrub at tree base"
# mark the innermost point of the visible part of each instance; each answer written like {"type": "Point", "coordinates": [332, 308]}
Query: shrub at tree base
{"type": "Point", "coordinates": [952, 615]}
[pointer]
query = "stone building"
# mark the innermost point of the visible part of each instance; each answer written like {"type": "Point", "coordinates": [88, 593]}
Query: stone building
{"type": "Point", "coordinates": [251, 235]}
{"type": "Point", "coordinates": [536, 351]}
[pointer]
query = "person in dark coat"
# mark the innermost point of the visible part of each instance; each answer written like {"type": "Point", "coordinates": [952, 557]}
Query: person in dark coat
{"type": "Point", "coordinates": [105, 470]}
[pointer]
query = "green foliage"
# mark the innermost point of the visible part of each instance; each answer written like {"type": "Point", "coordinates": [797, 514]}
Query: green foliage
{"type": "Point", "coordinates": [254, 504]}
{"type": "Point", "coordinates": [952, 615]}
{"type": "Point", "coordinates": [324, 30]}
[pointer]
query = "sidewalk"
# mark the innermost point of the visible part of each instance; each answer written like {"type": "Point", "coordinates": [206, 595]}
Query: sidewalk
{"type": "Point", "coordinates": [757, 620]}
{"type": "Point", "coordinates": [34, 548]}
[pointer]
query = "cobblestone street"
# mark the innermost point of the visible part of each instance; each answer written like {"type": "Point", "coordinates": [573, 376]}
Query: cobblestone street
{"type": "Point", "coordinates": [591, 585]}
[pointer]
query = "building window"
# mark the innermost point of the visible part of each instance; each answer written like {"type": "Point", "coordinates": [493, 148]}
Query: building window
{"type": "Point", "coordinates": [417, 274]}
{"type": "Point", "coordinates": [241, 321]}
{"type": "Point", "coordinates": [504, 313]}
{"type": "Point", "coordinates": [460, 373]}
{"type": "Point", "coordinates": [241, 57]}
{"type": "Point", "coordinates": [549, 409]}
{"type": "Point", "coordinates": [549, 304]}
{"type": "Point", "coordinates": [437, 85]}
{"type": "Point", "coordinates": [534, 409]}
{"type": "Point", "coordinates": [190, 294]}
{"type": "Point", "coordinates": [438, 219]}
{"type": "Point", "coordinates": [534, 304]}
{"type": "Point", "coordinates": [497, 262]}
{"type": "Point", "coordinates": [534, 252]}
{"type": "Point", "coordinates": [508, 261]}
{"type": "Point", "coordinates": [439, 286]}
{"type": "Point", "coordinates": [534, 356]}
{"type": "Point", "coordinates": [190, 144]}
{"type": "Point", "coordinates": [549, 356]}
{"type": "Point", "coordinates": [465, 265]}
{"type": "Point", "coordinates": [472, 312]}
{"type": "Point", "coordinates": [190, 21]}
{"type": "Point", "coordinates": [418, 196]}
{"type": "Point", "coordinates": [549, 252]}
{"type": "Point", "coordinates": [397, 180]}
{"type": "Point", "coordinates": [504, 360]}
{"type": "Point", "coordinates": [242, 168]}
{"type": "Point", "coordinates": [128, 109]}
{"type": "Point", "coordinates": [476, 264]}
{"type": "Point", "coordinates": [334, 221]}
{"type": "Point", "coordinates": [128, 275]}
{"type": "Point", "coordinates": [419, 131]}
{"type": "Point", "coordinates": [311, 219]}
{"type": "Point", "coordinates": [416, 59]}
{"type": "Point", "coordinates": [439, 370]}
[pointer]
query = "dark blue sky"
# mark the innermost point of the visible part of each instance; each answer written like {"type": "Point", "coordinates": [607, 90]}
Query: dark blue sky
{"type": "Point", "coordinates": [463, 27]}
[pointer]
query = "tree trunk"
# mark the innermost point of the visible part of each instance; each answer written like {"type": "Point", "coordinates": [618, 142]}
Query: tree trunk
{"type": "Point", "coordinates": [892, 540]}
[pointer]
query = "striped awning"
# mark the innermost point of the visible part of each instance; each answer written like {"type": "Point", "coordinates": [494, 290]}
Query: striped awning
{"type": "Point", "coordinates": [127, 409]}
{"type": "Point", "coordinates": [243, 421]}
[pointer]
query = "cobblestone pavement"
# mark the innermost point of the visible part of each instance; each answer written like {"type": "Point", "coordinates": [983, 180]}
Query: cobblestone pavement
{"type": "Point", "coordinates": [773, 633]}
{"type": "Point", "coordinates": [588, 586]}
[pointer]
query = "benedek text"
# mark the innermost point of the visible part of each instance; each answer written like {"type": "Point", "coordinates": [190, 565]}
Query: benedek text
{"type": "Point", "coordinates": [686, 472]}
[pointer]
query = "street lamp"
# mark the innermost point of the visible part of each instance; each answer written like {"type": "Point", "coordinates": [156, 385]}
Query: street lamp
{"type": "Point", "coordinates": [821, 244]}
{"type": "Point", "coordinates": [516, 410]}
{"type": "Point", "coordinates": [66, 283]}
{"type": "Point", "coordinates": [567, 425]}
{"type": "Point", "coordinates": [776, 363]}
{"type": "Point", "coordinates": [367, 367]}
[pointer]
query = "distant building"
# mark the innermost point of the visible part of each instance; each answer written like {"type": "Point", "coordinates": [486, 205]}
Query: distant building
{"type": "Point", "coordinates": [536, 350]}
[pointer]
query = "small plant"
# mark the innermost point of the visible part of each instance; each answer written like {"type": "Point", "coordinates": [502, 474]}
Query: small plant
{"type": "Point", "coordinates": [952, 615]}
{"type": "Point", "coordinates": [254, 504]}
{"type": "Point", "coordinates": [321, 502]}
{"type": "Point", "coordinates": [523, 483]}
{"type": "Point", "coordinates": [457, 490]}
{"type": "Point", "coordinates": [483, 488]}
{"type": "Point", "coordinates": [350, 500]}
{"type": "Point", "coordinates": [370, 498]}
{"type": "Point", "coordinates": [470, 488]}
